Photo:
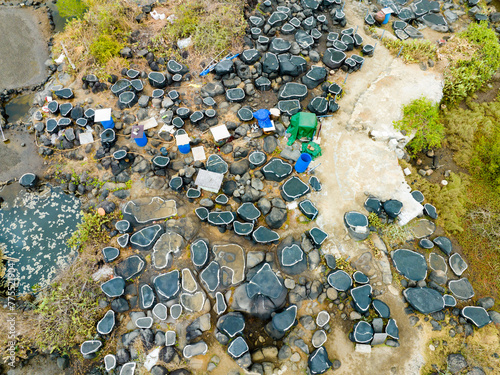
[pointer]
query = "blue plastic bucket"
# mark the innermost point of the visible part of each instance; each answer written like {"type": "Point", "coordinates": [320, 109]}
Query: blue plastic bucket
{"type": "Point", "coordinates": [386, 19]}
{"type": "Point", "coordinates": [141, 142]}
{"type": "Point", "coordinates": [109, 124]}
{"type": "Point", "coordinates": [303, 162]}
{"type": "Point", "coordinates": [262, 116]}
{"type": "Point", "coordinates": [184, 149]}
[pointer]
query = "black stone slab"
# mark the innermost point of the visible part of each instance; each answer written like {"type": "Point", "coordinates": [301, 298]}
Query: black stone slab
{"type": "Point", "coordinates": [157, 80]}
{"type": "Point", "coordinates": [264, 282]}
{"type": "Point", "coordinates": [265, 235]}
{"type": "Point", "coordinates": [167, 284]}
{"type": "Point", "coordinates": [424, 300]}
{"type": "Point", "coordinates": [231, 324]}
{"type": "Point", "coordinates": [340, 280]}
{"type": "Point", "coordinates": [114, 287]}
{"type": "Point", "coordinates": [199, 253]}
{"type": "Point", "coordinates": [410, 264]}
{"type": "Point", "coordinates": [361, 297]}
{"type": "Point", "coordinates": [333, 58]}
{"type": "Point", "coordinates": [248, 212]}
{"type": "Point", "coordinates": [121, 86]}
{"type": "Point", "coordinates": [292, 259]}
{"type": "Point", "coordinates": [276, 170]}
{"type": "Point", "coordinates": [444, 244]}
{"type": "Point", "coordinates": [318, 361]}
{"type": "Point", "coordinates": [360, 278]}
{"type": "Point", "coordinates": [176, 183]}
{"type": "Point", "coordinates": [317, 236]}
{"type": "Point", "coordinates": [461, 289]}
{"type": "Point", "coordinates": [392, 329]}
{"type": "Point", "coordinates": [145, 238]}
{"type": "Point", "coordinates": [284, 320]}
{"type": "Point", "coordinates": [293, 188]}
{"type": "Point", "coordinates": [64, 93]}
{"type": "Point", "coordinates": [110, 254]}
{"type": "Point", "coordinates": [216, 164]}
{"type": "Point", "coordinates": [210, 276]}
{"type": "Point", "coordinates": [381, 308]}
{"type": "Point", "coordinates": [256, 159]}
{"type": "Point", "coordinates": [130, 267]}
{"type": "Point", "coordinates": [243, 229]}
{"type": "Point", "coordinates": [308, 209]}
{"type": "Point", "coordinates": [146, 297]}
{"type": "Point", "coordinates": [221, 218]}
{"type": "Point", "coordinates": [289, 107]}
{"type": "Point", "coordinates": [477, 315]}
{"type": "Point", "coordinates": [363, 332]}
{"type": "Point", "coordinates": [202, 213]}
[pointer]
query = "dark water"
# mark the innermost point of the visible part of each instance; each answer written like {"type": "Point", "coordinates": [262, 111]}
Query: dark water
{"type": "Point", "coordinates": [34, 230]}
{"type": "Point", "coordinates": [18, 107]}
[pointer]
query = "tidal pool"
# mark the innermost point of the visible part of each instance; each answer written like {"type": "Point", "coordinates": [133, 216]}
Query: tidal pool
{"type": "Point", "coordinates": [34, 230]}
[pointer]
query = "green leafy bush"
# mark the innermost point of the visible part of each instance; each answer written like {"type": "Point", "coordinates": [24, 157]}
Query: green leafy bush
{"type": "Point", "coordinates": [91, 230]}
{"type": "Point", "coordinates": [67, 312]}
{"type": "Point", "coordinates": [71, 8]}
{"type": "Point", "coordinates": [421, 117]}
{"type": "Point", "coordinates": [466, 76]}
{"type": "Point", "coordinates": [104, 48]}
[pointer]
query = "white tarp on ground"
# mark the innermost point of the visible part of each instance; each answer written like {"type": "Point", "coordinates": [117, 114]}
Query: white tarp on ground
{"type": "Point", "coordinates": [209, 181]}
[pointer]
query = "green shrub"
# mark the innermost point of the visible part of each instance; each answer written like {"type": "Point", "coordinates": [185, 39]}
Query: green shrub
{"type": "Point", "coordinates": [104, 48]}
{"type": "Point", "coordinates": [71, 8]}
{"type": "Point", "coordinates": [66, 313]}
{"type": "Point", "coordinates": [464, 77]}
{"type": "Point", "coordinates": [91, 230]}
{"type": "Point", "coordinates": [421, 117]}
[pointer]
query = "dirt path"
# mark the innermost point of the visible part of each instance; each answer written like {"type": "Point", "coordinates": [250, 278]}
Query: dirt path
{"type": "Point", "coordinates": [352, 165]}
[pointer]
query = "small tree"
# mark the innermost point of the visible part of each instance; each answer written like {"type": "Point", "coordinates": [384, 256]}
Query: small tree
{"type": "Point", "coordinates": [421, 117]}
{"type": "Point", "coordinates": [71, 8]}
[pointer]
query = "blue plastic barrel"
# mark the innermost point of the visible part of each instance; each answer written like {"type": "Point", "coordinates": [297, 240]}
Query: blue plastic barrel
{"type": "Point", "coordinates": [109, 124]}
{"type": "Point", "coordinates": [386, 19]}
{"type": "Point", "coordinates": [184, 149]}
{"type": "Point", "coordinates": [303, 162]}
{"type": "Point", "coordinates": [262, 116]}
{"type": "Point", "coordinates": [141, 142]}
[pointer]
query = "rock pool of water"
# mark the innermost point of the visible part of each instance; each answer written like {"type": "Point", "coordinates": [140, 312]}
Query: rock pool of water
{"type": "Point", "coordinates": [34, 231]}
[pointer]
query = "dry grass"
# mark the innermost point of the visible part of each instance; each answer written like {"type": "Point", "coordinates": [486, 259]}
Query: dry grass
{"type": "Point", "coordinates": [457, 49]}
{"type": "Point", "coordinates": [478, 349]}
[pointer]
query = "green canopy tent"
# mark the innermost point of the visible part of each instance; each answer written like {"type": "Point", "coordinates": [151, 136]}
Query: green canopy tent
{"type": "Point", "coordinates": [302, 125]}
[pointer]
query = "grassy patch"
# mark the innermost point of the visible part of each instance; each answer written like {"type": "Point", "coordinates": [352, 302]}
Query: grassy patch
{"type": "Point", "coordinates": [480, 239]}
{"type": "Point", "coordinates": [214, 26]}
{"type": "Point", "coordinates": [71, 8]}
{"type": "Point", "coordinates": [469, 73]}
{"type": "Point", "coordinates": [421, 118]}
{"type": "Point", "coordinates": [94, 39]}
{"type": "Point", "coordinates": [67, 312]}
{"type": "Point", "coordinates": [414, 50]}
{"type": "Point", "coordinates": [91, 230]}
